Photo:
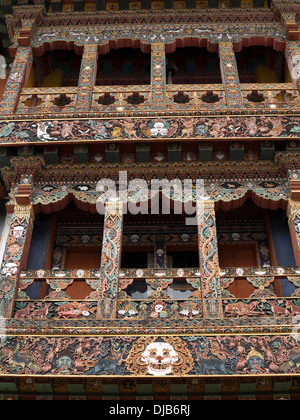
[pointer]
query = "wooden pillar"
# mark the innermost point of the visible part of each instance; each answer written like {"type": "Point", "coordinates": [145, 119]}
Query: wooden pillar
{"type": "Point", "coordinates": [87, 78]}
{"type": "Point", "coordinates": [16, 81]}
{"type": "Point", "coordinates": [110, 260]}
{"type": "Point", "coordinates": [17, 248]}
{"type": "Point", "coordinates": [209, 260]}
{"type": "Point", "coordinates": [158, 77]}
{"type": "Point", "coordinates": [294, 213]}
{"type": "Point", "coordinates": [230, 76]}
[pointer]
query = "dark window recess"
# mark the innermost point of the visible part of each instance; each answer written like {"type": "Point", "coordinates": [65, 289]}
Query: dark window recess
{"type": "Point", "coordinates": [183, 259]}
{"type": "Point", "coordinates": [134, 260]}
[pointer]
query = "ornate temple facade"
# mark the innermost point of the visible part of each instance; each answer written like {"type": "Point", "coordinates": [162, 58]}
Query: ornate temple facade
{"type": "Point", "coordinates": [150, 199]}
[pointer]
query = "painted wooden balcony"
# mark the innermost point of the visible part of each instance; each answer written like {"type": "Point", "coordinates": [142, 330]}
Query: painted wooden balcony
{"type": "Point", "coordinates": [155, 294]}
{"type": "Point", "coordinates": [266, 297]}
{"type": "Point", "coordinates": [273, 96]}
{"type": "Point", "coordinates": [47, 100]}
{"type": "Point", "coordinates": [131, 99]}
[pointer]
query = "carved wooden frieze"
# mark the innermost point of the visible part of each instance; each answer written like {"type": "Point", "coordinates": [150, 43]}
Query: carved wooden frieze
{"type": "Point", "coordinates": [150, 356]}
{"type": "Point", "coordinates": [163, 128]}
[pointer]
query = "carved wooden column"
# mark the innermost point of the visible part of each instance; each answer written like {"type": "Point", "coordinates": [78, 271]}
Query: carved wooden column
{"type": "Point", "coordinates": [110, 260]}
{"type": "Point", "coordinates": [209, 260]}
{"type": "Point", "coordinates": [158, 77]}
{"type": "Point", "coordinates": [230, 75]}
{"type": "Point", "coordinates": [17, 248]}
{"type": "Point", "coordinates": [16, 81]}
{"type": "Point", "coordinates": [294, 213]}
{"type": "Point", "coordinates": [87, 78]}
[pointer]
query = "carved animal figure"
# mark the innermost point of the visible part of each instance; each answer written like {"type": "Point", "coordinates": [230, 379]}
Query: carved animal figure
{"type": "Point", "coordinates": [69, 313]}
{"type": "Point", "coordinates": [218, 128]}
{"type": "Point", "coordinates": [24, 313]}
{"type": "Point", "coordinates": [41, 313]}
{"type": "Point", "coordinates": [42, 131]}
{"type": "Point", "coordinates": [294, 361]}
{"type": "Point", "coordinates": [130, 129]}
{"type": "Point", "coordinates": [243, 309]}
{"type": "Point", "coordinates": [294, 308]}
{"type": "Point", "coordinates": [73, 310]}
{"type": "Point", "coordinates": [276, 127]}
{"type": "Point", "coordinates": [251, 126]}
{"type": "Point", "coordinates": [24, 359]}
{"type": "Point", "coordinates": [211, 365]}
{"type": "Point", "coordinates": [188, 129]}
{"type": "Point", "coordinates": [106, 365]}
{"type": "Point", "coordinates": [278, 310]}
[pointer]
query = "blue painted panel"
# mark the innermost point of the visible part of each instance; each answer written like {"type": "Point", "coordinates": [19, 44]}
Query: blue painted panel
{"type": "Point", "coordinates": [38, 249]}
{"type": "Point", "coordinates": [283, 246]}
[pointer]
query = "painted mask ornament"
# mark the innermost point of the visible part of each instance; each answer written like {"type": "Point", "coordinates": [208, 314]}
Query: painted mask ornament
{"type": "Point", "coordinates": [159, 357]}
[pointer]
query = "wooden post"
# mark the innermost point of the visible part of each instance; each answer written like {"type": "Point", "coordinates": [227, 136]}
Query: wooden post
{"type": "Point", "coordinates": [158, 77]}
{"type": "Point", "coordinates": [230, 76]}
{"type": "Point", "coordinates": [17, 248]}
{"type": "Point", "coordinates": [209, 260]}
{"type": "Point", "coordinates": [16, 81]}
{"type": "Point", "coordinates": [87, 78]}
{"type": "Point", "coordinates": [110, 260]}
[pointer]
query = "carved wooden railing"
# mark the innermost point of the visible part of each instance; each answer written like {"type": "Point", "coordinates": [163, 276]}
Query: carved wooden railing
{"type": "Point", "coordinates": [55, 303]}
{"type": "Point", "coordinates": [266, 299]}
{"type": "Point", "coordinates": [210, 97]}
{"type": "Point", "coordinates": [164, 294]}
{"type": "Point", "coordinates": [273, 96]}
{"type": "Point", "coordinates": [156, 294]}
{"type": "Point", "coordinates": [45, 100]}
{"type": "Point", "coordinates": [119, 99]}
{"type": "Point", "coordinates": [160, 302]}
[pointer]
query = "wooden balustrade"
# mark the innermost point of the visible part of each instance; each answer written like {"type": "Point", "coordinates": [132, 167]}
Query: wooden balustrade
{"type": "Point", "coordinates": [157, 294]}
{"type": "Point", "coordinates": [273, 96]}
{"type": "Point", "coordinates": [209, 97]}
{"type": "Point", "coordinates": [120, 99]}
{"type": "Point", "coordinates": [47, 100]}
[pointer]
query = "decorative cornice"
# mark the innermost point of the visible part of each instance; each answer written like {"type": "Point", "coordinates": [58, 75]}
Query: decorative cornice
{"type": "Point", "coordinates": [132, 19]}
